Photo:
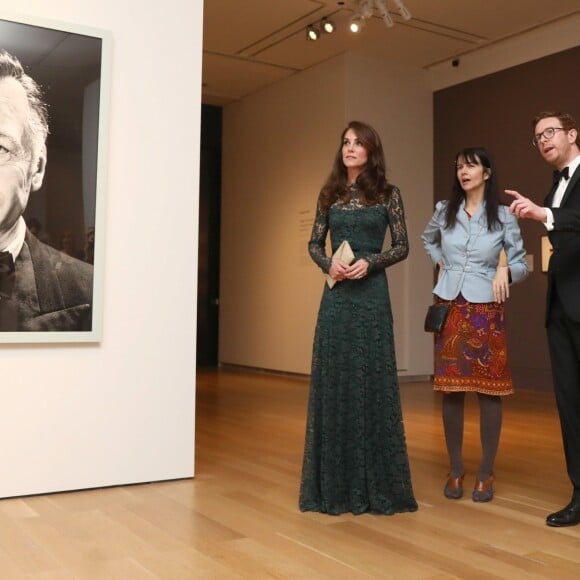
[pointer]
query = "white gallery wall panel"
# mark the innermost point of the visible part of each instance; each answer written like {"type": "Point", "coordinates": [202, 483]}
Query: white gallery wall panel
{"type": "Point", "coordinates": [122, 411]}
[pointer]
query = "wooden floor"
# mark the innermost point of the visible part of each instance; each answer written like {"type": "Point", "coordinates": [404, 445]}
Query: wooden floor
{"type": "Point", "coordinates": [239, 519]}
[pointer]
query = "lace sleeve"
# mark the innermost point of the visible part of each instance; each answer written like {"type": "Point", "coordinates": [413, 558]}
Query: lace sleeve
{"type": "Point", "coordinates": [399, 249]}
{"type": "Point", "coordinates": [317, 243]}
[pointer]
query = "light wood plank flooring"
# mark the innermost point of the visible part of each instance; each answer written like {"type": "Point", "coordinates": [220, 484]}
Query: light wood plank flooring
{"type": "Point", "coordinates": [239, 519]}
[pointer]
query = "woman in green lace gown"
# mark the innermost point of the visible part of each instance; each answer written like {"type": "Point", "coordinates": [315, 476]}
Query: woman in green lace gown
{"type": "Point", "coordinates": [355, 457]}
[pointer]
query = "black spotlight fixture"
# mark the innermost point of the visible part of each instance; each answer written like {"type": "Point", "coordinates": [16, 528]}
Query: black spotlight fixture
{"type": "Point", "coordinates": [312, 32]}
{"type": "Point", "coordinates": [327, 25]}
{"type": "Point", "coordinates": [355, 25]}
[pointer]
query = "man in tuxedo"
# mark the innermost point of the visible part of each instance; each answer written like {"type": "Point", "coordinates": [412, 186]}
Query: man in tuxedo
{"type": "Point", "coordinates": [557, 140]}
{"type": "Point", "coordinates": [41, 289]}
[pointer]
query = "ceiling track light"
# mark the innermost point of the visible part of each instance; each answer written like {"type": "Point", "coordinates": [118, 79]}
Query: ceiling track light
{"type": "Point", "coordinates": [365, 9]}
{"type": "Point", "coordinates": [355, 25]}
{"type": "Point", "coordinates": [384, 13]}
{"type": "Point", "coordinates": [403, 11]}
{"type": "Point", "coordinates": [312, 32]}
{"type": "Point", "coordinates": [389, 22]}
{"type": "Point", "coordinates": [327, 25]}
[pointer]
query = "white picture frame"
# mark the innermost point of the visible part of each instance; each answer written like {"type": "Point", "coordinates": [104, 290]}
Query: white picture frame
{"type": "Point", "coordinates": [72, 65]}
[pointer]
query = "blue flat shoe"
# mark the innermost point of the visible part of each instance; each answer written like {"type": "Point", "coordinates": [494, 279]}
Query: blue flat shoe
{"type": "Point", "coordinates": [454, 487]}
{"type": "Point", "coordinates": [483, 490]}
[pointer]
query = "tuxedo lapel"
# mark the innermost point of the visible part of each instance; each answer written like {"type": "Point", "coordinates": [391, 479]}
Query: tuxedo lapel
{"type": "Point", "coordinates": [550, 197]}
{"type": "Point", "coordinates": [49, 292]}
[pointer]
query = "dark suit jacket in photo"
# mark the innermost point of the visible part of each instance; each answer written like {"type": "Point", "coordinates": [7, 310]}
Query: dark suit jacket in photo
{"type": "Point", "coordinates": [564, 268]}
{"type": "Point", "coordinates": [52, 291]}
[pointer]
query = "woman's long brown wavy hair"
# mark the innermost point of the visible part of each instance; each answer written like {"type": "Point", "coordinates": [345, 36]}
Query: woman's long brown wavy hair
{"type": "Point", "coordinates": [372, 181]}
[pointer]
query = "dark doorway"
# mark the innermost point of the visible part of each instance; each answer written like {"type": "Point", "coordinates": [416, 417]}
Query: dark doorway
{"type": "Point", "coordinates": [209, 236]}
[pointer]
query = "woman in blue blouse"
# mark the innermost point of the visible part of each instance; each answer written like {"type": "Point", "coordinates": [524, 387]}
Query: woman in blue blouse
{"type": "Point", "coordinates": [464, 238]}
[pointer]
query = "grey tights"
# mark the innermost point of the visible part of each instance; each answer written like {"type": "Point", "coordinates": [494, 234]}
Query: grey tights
{"type": "Point", "coordinates": [490, 417]}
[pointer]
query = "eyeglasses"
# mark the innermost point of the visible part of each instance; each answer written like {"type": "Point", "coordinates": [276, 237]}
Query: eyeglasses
{"type": "Point", "coordinates": [546, 134]}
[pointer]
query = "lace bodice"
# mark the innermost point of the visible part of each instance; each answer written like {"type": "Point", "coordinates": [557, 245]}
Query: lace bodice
{"type": "Point", "coordinates": [364, 227]}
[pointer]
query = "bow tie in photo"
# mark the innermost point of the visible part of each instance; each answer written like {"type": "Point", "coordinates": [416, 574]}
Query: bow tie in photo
{"type": "Point", "coordinates": [561, 174]}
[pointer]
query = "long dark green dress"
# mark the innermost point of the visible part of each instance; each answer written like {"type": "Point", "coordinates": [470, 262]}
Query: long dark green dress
{"type": "Point", "coordinates": [355, 457]}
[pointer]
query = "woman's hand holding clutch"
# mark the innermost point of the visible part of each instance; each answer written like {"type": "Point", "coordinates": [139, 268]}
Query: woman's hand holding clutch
{"type": "Point", "coordinates": [358, 270]}
{"type": "Point", "coordinates": [338, 270]}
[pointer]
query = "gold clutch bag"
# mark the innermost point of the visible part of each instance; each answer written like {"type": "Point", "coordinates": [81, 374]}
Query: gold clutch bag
{"type": "Point", "coordinates": [343, 253]}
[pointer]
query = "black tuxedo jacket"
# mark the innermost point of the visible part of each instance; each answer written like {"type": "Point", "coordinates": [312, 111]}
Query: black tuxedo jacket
{"type": "Point", "coordinates": [564, 267]}
{"type": "Point", "coordinates": [52, 291]}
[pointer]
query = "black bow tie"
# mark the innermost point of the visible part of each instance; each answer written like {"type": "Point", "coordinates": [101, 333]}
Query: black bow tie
{"type": "Point", "coordinates": [561, 174]}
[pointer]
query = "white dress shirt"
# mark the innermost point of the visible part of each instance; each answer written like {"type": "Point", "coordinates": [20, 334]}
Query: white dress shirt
{"type": "Point", "coordinates": [17, 241]}
{"type": "Point", "coordinates": [559, 194]}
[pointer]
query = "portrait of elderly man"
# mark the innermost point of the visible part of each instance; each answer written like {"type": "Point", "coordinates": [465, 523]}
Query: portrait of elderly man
{"type": "Point", "coordinates": [41, 289]}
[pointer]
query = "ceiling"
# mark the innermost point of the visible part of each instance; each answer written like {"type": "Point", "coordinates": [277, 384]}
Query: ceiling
{"type": "Point", "coordinates": [250, 44]}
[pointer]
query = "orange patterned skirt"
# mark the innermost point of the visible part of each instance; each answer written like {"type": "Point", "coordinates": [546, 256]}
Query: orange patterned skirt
{"type": "Point", "coordinates": [471, 350]}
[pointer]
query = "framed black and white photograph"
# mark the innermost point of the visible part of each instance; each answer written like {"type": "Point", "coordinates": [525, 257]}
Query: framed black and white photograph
{"type": "Point", "coordinates": [54, 93]}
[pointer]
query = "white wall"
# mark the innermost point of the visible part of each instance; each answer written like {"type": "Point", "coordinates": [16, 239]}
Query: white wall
{"type": "Point", "coordinates": [122, 411]}
{"type": "Point", "coordinates": [278, 149]}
